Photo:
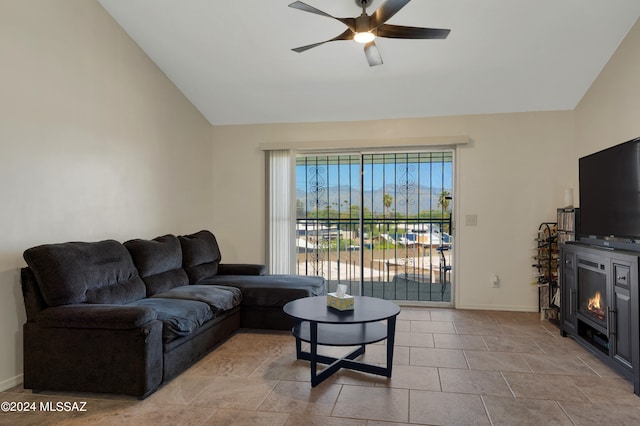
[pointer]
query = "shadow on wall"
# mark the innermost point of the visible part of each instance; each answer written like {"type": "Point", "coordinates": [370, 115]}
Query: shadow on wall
{"type": "Point", "coordinates": [12, 317]}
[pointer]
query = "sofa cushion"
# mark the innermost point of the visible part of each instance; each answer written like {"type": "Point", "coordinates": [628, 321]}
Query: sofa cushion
{"type": "Point", "coordinates": [80, 272]}
{"type": "Point", "coordinates": [219, 298]}
{"type": "Point", "coordinates": [200, 255]}
{"type": "Point", "coordinates": [159, 263]}
{"type": "Point", "coordinates": [271, 290]}
{"type": "Point", "coordinates": [179, 317]}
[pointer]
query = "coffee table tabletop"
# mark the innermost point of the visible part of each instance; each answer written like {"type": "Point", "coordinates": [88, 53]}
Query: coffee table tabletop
{"type": "Point", "coordinates": [366, 309]}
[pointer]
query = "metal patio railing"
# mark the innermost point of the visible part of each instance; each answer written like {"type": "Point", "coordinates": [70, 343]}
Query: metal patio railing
{"type": "Point", "coordinates": [393, 259]}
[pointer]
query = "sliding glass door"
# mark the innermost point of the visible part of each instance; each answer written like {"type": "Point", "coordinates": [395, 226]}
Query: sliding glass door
{"type": "Point", "coordinates": [378, 222]}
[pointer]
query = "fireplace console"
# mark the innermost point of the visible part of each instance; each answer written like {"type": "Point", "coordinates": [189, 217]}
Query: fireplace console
{"type": "Point", "coordinates": [599, 304]}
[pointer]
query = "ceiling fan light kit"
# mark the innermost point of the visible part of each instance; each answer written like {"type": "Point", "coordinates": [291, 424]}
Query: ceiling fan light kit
{"type": "Point", "coordinates": [365, 28]}
{"type": "Point", "coordinates": [364, 37]}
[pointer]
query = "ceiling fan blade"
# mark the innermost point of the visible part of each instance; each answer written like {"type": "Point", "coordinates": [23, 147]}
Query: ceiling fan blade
{"type": "Point", "coordinates": [385, 12]}
{"type": "Point", "coordinates": [399, 31]}
{"type": "Point", "coordinates": [349, 22]}
{"type": "Point", "coordinates": [373, 54]}
{"type": "Point", "coordinates": [346, 35]}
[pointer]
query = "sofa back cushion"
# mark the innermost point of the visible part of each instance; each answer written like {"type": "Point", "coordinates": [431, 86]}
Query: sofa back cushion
{"type": "Point", "coordinates": [159, 263]}
{"type": "Point", "coordinates": [80, 272]}
{"type": "Point", "coordinates": [200, 255]}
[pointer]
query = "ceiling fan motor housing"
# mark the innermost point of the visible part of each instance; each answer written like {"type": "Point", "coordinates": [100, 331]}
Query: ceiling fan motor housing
{"type": "Point", "coordinates": [367, 3]}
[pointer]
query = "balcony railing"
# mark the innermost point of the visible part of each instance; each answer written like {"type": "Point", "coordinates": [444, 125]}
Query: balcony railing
{"type": "Point", "coordinates": [394, 259]}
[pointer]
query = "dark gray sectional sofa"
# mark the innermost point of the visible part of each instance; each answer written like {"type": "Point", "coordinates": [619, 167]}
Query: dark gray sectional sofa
{"type": "Point", "coordinates": [123, 318]}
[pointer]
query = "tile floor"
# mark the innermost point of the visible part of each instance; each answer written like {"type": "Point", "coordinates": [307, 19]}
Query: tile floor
{"type": "Point", "coordinates": [451, 367]}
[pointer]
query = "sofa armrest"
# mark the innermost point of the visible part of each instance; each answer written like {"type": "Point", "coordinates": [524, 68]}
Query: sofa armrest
{"type": "Point", "coordinates": [113, 317]}
{"type": "Point", "coordinates": [241, 269]}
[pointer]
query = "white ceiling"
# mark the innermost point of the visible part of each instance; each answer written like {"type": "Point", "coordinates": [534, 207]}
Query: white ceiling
{"type": "Point", "coordinates": [232, 58]}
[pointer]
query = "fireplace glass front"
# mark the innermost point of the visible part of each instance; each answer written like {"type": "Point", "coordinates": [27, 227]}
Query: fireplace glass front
{"type": "Point", "coordinates": [592, 294]}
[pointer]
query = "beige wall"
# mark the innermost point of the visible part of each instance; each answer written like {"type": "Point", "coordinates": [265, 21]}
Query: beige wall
{"type": "Point", "coordinates": [609, 113]}
{"type": "Point", "coordinates": [95, 143]}
{"type": "Point", "coordinates": [511, 175]}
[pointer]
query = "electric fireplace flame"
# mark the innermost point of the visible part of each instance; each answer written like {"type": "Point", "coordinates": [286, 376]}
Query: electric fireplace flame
{"type": "Point", "coordinates": [594, 307]}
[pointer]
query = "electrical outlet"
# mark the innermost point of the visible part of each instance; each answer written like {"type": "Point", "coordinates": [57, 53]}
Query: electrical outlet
{"type": "Point", "coordinates": [495, 281]}
{"type": "Point", "coordinates": [471, 220]}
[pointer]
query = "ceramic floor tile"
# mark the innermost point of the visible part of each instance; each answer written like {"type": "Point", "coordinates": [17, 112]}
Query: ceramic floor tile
{"type": "Point", "coordinates": [432, 327]}
{"type": "Point", "coordinates": [460, 315]}
{"type": "Point", "coordinates": [351, 377]}
{"type": "Point", "coordinates": [377, 423]}
{"type": "Point", "coordinates": [599, 367]}
{"type": "Point", "coordinates": [601, 414]}
{"type": "Point", "coordinates": [253, 378]}
{"type": "Point", "coordinates": [509, 317]}
{"type": "Point", "coordinates": [433, 357]}
{"type": "Point", "coordinates": [558, 364]}
{"type": "Point", "coordinates": [233, 417]}
{"type": "Point", "coordinates": [525, 330]}
{"type": "Point", "coordinates": [247, 344]}
{"type": "Point", "coordinates": [228, 365]}
{"type": "Point", "coordinates": [295, 420]}
{"type": "Point", "coordinates": [284, 368]}
{"type": "Point", "coordinates": [524, 412]}
{"type": "Point", "coordinates": [441, 408]}
{"type": "Point", "coordinates": [444, 315]}
{"type": "Point", "coordinates": [234, 392]}
{"type": "Point", "coordinates": [474, 381]}
{"type": "Point", "coordinates": [301, 398]}
{"type": "Point", "coordinates": [377, 403]}
{"type": "Point", "coordinates": [414, 314]}
{"type": "Point", "coordinates": [483, 328]}
{"type": "Point", "coordinates": [413, 377]}
{"type": "Point", "coordinates": [496, 361]}
{"type": "Point", "coordinates": [423, 340]}
{"type": "Point", "coordinates": [403, 325]}
{"type": "Point", "coordinates": [258, 343]}
{"type": "Point", "coordinates": [607, 390]}
{"type": "Point", "coordinates": [539, 386]}
{"type": "Point", "coordinates": [512, 344]}
{"type": "Point", "coordinates": [377, 354]}
{"type": "Point", "coordinates": [181, 390]}
{"type": "Point", "coordinates": [559, 346]}
{"type": "Point", "coordinates": [455, 341]}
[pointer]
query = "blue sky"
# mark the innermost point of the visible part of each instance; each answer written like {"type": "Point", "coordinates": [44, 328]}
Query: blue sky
{"type": "Point", "coordinates": [435, 174]}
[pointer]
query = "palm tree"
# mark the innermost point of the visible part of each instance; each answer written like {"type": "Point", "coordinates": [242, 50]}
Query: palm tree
{"type": "Point", "coordinates": [387, 200]}
{"type": "Point", "coordinates": [444, 198]}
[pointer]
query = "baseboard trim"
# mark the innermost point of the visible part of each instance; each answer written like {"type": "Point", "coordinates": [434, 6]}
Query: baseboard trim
{"type": "Point", "coordinates": [11, 382]}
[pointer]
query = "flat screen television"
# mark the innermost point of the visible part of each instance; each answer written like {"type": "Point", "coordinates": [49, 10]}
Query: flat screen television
{"type": "Point", "coordinates": [610, 194]}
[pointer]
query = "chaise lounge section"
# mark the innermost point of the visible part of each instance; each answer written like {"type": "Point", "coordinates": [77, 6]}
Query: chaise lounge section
{"type": "Point", "coordinates": [124, 318]}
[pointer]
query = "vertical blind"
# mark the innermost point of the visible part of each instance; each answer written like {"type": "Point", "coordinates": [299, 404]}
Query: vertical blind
{"type": "Point", "coordinates": [280, 222]}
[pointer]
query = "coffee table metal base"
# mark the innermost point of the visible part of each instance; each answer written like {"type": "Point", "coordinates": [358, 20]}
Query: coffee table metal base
{"type": "Point", "coordinates": [343, 335]}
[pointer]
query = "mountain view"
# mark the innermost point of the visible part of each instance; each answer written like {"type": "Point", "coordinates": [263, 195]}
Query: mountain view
{"type": "Point", "coordinates": [405, 200]}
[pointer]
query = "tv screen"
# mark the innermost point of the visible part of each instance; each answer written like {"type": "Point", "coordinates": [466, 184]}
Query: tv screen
{"type": "Point", "coordinates": [610, 192]}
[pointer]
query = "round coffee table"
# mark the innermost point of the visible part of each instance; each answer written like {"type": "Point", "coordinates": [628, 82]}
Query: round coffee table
{"type": "Point", "coordinates": [319, 324]}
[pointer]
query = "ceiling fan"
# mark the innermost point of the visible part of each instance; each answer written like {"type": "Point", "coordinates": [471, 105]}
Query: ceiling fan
{"type": "Point", "coordinates": [365, 28]}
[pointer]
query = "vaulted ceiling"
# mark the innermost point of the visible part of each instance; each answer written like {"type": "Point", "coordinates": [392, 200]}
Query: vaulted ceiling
{"type": "Point", "coordinates": [233, 59]}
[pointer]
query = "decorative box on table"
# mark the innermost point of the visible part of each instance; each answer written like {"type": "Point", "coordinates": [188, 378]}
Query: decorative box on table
{"type": "Point", "coordinates": [341, 302]}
